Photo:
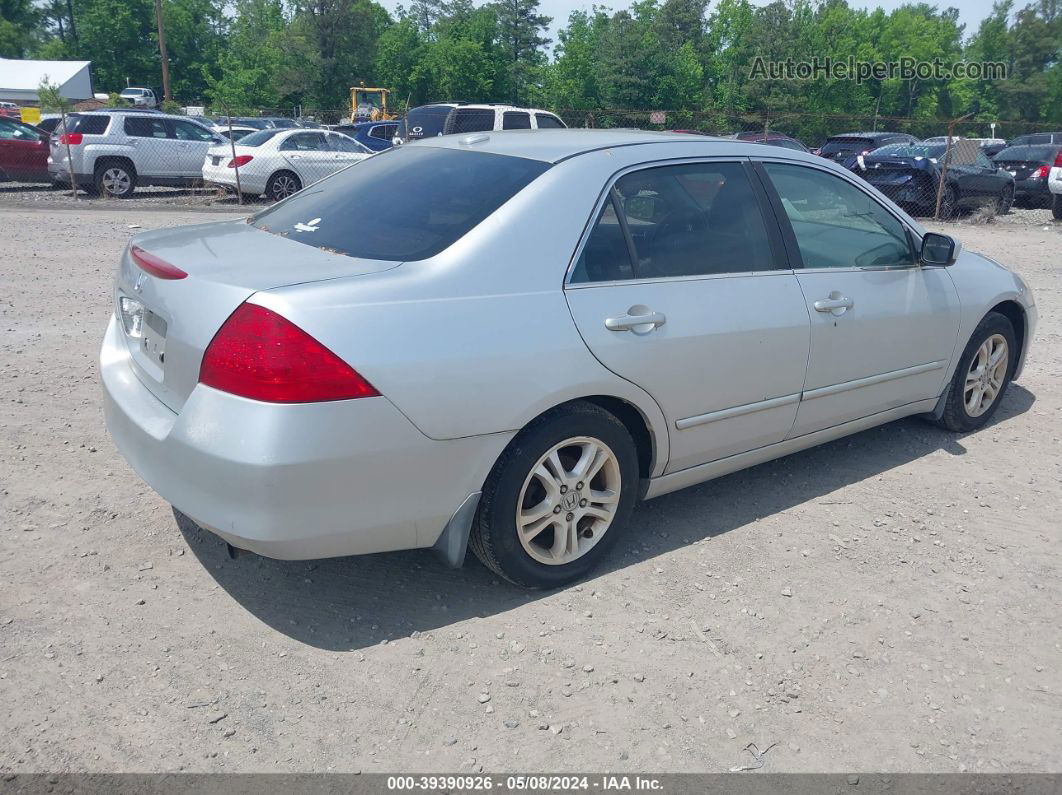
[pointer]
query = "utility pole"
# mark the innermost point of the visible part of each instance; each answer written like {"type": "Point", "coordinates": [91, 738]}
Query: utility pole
{"type": "Point", "coordinates": [162, 52]}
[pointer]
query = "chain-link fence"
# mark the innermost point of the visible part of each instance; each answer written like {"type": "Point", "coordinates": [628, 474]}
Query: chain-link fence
{"type": "Point", "coordinates": [933, 168]}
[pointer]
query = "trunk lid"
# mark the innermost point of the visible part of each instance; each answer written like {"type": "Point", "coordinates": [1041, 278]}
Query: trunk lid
{"type": "Point", "coordinates": [226, 262]}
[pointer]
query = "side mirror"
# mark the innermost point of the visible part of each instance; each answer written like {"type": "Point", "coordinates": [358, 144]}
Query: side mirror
{"type": "Point", "coordinates": [642, 208]}
{"type": "Point", "coordinates": [938, 249]}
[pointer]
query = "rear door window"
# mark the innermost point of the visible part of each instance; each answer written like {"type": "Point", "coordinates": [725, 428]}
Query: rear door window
{"type": "Point", "coordinates": [695, 219]}
{"type": "Point", "coordinates": [146, 127]}
{"type": "Point", "coordinates": [385, 132]}
{"type": "Point", "coordinates": [516, 120]}
{"type": "Point", "coordinates": [465, 120]}
{"type": "Point", "coordinates": [433, 197]}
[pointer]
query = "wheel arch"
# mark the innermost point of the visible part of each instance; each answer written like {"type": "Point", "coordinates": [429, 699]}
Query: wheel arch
{"type": "Point", "coordinates": [102, 160]}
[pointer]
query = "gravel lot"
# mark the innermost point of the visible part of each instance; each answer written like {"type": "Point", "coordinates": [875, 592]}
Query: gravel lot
{"type": "Point", "coordinates": [885, 602]}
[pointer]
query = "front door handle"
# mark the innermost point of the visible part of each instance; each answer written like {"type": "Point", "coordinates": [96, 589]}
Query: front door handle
{"type": "Point", "coordinates": [836, 304]}
{"type": "Point", "coordinates": [639, 319]}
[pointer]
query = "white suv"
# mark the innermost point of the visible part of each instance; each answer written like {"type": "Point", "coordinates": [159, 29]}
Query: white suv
{"type": "Point", "coordinates": [140, 97]}
{"type": "Point", "coordinates": [112, 153]}
{"type": "Point", "coordinates": [1054, 184]}
{"type": "Point", "coordinates": [488, 118]}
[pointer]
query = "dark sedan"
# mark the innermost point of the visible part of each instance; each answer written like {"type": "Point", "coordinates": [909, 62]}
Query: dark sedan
{"type": "Point", "coordinates": [1030, 167]}
{"type": "Point", "coordinates": [909, 174]}
{"type": "Point", "coordinates": [841, 147]}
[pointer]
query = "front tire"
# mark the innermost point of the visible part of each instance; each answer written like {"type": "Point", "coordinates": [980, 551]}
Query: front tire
{"type": "Point", "coordinates": [1005, 201]}
{"type": "Point", "coordinates": [982, 376]}
{"type": "Point", "coordinates": [557, 498]}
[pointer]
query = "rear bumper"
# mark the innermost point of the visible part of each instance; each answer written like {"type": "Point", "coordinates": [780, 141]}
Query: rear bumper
{"type": "Point", "coordinates": [292, 481]}
{"type": "Point", "coordinates": [226, 177]}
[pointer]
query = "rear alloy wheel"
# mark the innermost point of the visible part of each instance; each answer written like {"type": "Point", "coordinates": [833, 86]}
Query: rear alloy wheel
{"type": "Point", "coordinates": [116, 180]}
{"type": "Point", "coordinates": [982, 376]}
{"type": "Point", "coordinates": [282, 184]}
{"type": "Point", "coordinates": [557, 497]}
{"type": "Point", "coordinates": [1005, 201]}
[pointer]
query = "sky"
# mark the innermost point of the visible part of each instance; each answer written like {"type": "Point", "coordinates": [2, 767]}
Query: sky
{"type": "Point", "coordinates": [971, 12]}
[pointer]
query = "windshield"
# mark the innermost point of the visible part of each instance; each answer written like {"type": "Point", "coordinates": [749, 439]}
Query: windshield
{"type": "Point", "coordinates": [1038, 154]}
{"type": "Point", "coordinates": [407, 203]}
{"type": "Point", "coordinates": [931, 151]}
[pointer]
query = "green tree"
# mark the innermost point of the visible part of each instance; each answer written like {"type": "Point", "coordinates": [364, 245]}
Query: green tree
{"type": "Point", "coordinates": [521, 36]}
{"type": "Point", "coordinates": [18, 23]}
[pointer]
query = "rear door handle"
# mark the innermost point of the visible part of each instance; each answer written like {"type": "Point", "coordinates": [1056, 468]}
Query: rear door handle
{"type": "Point", "coordinates": [836, 304]}
{"type": "Point", "coordinates": [639, 319]}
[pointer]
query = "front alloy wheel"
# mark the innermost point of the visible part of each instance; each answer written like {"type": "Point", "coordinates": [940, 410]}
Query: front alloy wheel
{"type": "Point", "coordinates": [569, 500]}
{"type": "Point", "coordinates": [986, 376]}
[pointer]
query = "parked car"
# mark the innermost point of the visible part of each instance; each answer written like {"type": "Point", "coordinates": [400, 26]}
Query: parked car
{"type": "Point", "coordinates": [1054, 184]}
{"type": "Point", "coordinates": [487, 118]}
{"type": "Point", "coordinates": [280, 162]}
{"type": "Point", "coordinates": [512, 342]}
{"type": "Point", "coordinates": [991, 146]}
{"type": "Point", "coordinates": [23, 152]}
{"type": "Point", "coordinates": [1036, 138]}
{"type": "Point", "coordinates": [49, 124]}
{"type": "Point", "coordinates": [771, 138]}
{"type": "Point", "coordinates": [113, 153]}
{"type": "Point", "coordinates": [140, 97]}
{"type": "Point", "coordinates": [235, 133]}
{"type": "Point", "coordinates": [10, 110]}
{"type": "Point", "coordinates": [279, 122]}
{"type": "Point", "coordinates": [909, 174]}
{"type": "Point", "coordinates": [376, 135]}
{"type": "Point", "coordinates": [840, 147]}
{"type": "Point", "coordinates": [1030, 166]}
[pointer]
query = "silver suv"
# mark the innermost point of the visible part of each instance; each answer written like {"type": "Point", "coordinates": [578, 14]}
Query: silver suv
{"type": "Point", "coordinates": [113, 153]}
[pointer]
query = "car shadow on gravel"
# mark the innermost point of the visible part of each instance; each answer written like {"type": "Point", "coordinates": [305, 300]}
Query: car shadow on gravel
{"type": "Point", "coordinates": [344, 604]}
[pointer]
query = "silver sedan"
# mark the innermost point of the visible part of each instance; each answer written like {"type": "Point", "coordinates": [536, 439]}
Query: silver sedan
{"type": "Point", "coordinates": [505, 340]}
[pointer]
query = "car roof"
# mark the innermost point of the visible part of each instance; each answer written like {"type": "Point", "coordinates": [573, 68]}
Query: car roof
{"type": "Point", "coordinates": [553, 146]}
{"type": "Point", "coordinates": [878, 134]}
{"type": "Point", "coordinates": [503, 106]}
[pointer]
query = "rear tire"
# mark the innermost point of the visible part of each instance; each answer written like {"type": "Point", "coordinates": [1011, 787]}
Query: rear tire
{"type": "Point", "coordinates": [1056, 207]}
{"type": "Point", "coordinates": [542, 528]}
{"type": "Point", "coordinates": [980, 381]}
{"type": "Point", "coordinates": [283, 184]}
{"type": "Point", "coordinates": [115, 179]}
{"type": "Point", "coordinates": [948, 202]}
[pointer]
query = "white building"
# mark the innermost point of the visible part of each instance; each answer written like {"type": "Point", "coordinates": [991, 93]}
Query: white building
{"type": "Point", "coordinates": [19, 79]}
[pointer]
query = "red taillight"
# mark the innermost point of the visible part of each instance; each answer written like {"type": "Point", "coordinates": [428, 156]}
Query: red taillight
{"type": "Point", "coordinates": [258, 354]}
{"type": "Point", "coordinates": [240, 160]}
{"type": "Point", "coordinates": [1058, 159]}
{"type": "Point", "coordinates": [156, 266]}
{"type": "Point", "coordinates": [74, 139]}
{"type": "Point", "coordinates": [1041, 172]}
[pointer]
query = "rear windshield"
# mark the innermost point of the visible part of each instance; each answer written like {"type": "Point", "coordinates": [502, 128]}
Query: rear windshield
{"type": "Point", "coordinates": [259, 138]}
{"type": "Point", "coordinates": [1038, 154]}
{"type": "Point", "coordinates": [426, 122]}
{"type": "Point", "coordinates": [407, 203]}
{"type": "Point", "coordinates": [846, 145]}
{"type": "Point", "coordinates": [87, 125]}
